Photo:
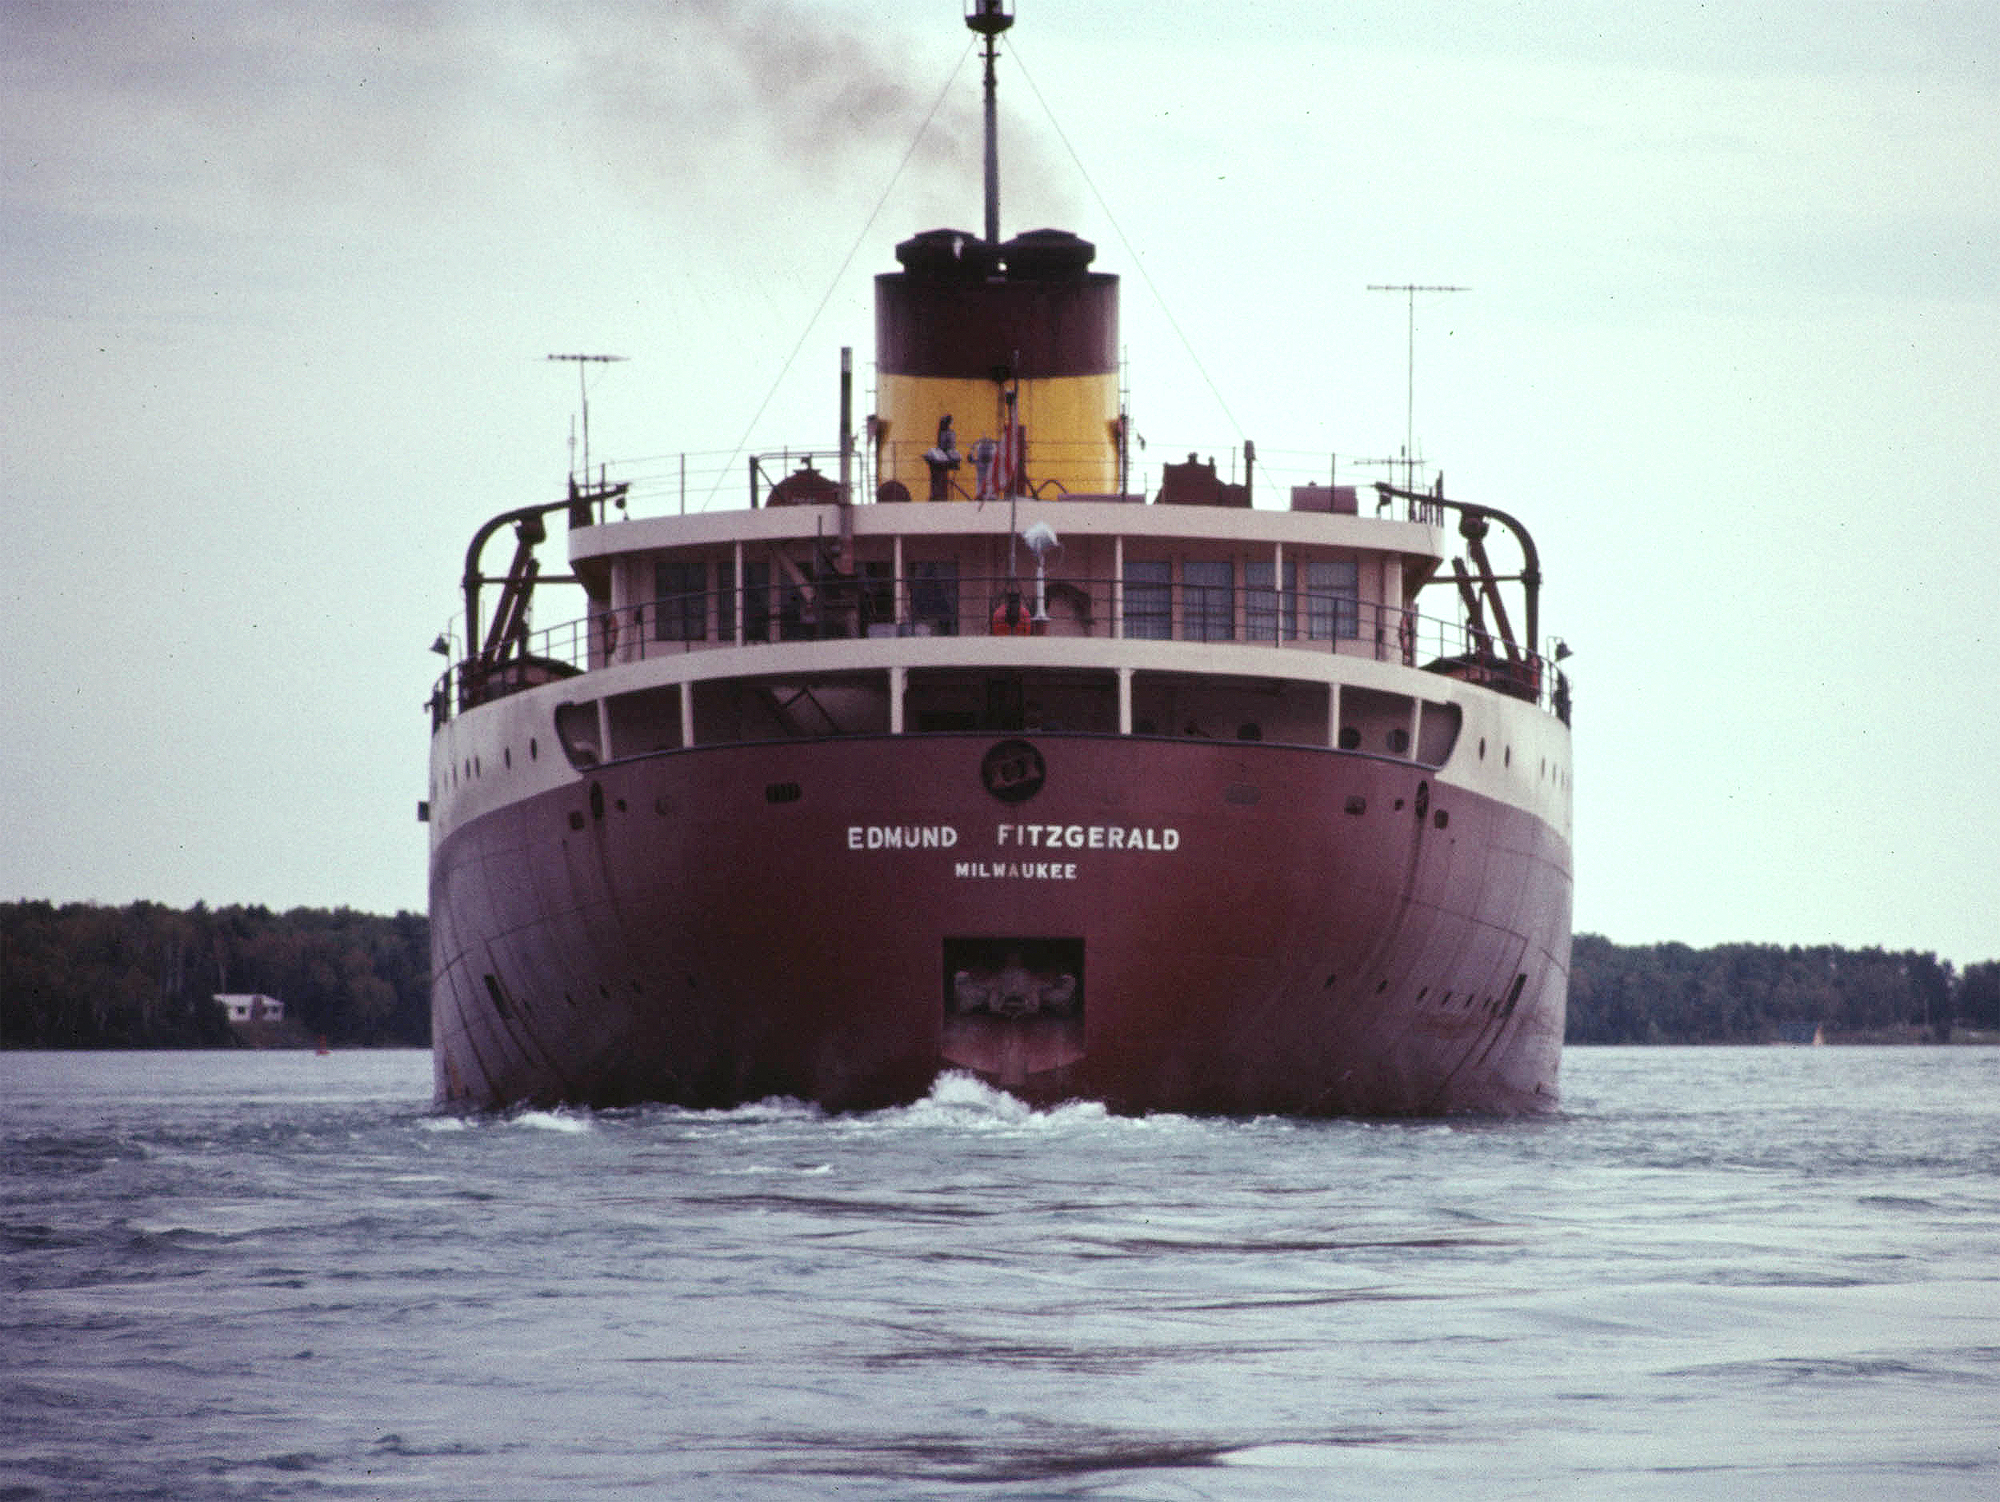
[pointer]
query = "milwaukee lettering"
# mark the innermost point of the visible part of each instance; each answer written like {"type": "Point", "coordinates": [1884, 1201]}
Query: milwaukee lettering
{"type": "Point", "coordinates": [1086, 837]}
{"type": "Point", "coordinates": [1025, 871]}
{"type": "Point", "coordinates": [901, 837]}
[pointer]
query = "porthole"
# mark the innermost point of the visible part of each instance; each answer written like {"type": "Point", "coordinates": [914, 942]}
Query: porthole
{"type": "Point", "coordinates": [1482, 748]}
{"type": "Point", "coordinates": [1350, 738]}
{"type": "Point", "coordinates": [1510, 756]}
{"type": "Point", "coordinates": [1440, 818]}
{"type": "Point", "coordinates": [534, 749]}
{"type": "Point", "coordinates": [507, 756]}
{"type": "Point", "coordinates": [1399, 741]}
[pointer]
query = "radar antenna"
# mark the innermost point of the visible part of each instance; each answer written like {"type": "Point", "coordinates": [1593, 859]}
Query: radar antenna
{"type": "Point", "coordinates": [1410, 290]}
{"type": "Point", "coordinates": [989, 18]}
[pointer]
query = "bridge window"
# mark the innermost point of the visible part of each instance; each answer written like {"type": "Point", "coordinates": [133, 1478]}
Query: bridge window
{"type": "Point", "coordinates": [1208, 605]}
{"type": "Point", "coordinates": [680, 595]}
{"type": "Point", "coordinates": [877, 602]}
{"type": "Point", "coordinates": [1149, 602]}
{"type": "Point", "coordinates": [756, 599]}
{"type": "Point", "coordinates": [1333, 599]}
{"type": "Point", "coordinates": [934, 596]}
{"type": "Point", "coordinates": [1265, 604]}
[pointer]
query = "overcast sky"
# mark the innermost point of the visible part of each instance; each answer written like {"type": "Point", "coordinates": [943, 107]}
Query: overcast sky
{"type": "Point", "coordinates": [278, 280]}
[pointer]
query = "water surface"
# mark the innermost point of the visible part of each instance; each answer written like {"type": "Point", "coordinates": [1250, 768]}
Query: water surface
{"type": "Point", "coordinates": [1721, 1273]}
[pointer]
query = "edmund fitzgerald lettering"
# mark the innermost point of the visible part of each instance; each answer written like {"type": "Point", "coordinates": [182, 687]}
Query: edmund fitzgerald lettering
{"type": "Point", "coordinates": [1016, 837]}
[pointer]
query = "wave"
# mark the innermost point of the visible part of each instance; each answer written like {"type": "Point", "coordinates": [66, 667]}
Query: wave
{"type": "Point", "coordinates": [554, 1121]}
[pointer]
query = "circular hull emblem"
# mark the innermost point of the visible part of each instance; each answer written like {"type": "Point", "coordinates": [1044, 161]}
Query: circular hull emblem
{"type": "Point", "coordinates": [1013, 771]}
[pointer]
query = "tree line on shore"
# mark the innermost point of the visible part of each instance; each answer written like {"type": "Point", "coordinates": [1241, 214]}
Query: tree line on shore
{"type": "Point", "coordinates": [145, 976]}
{"type": "Point", "coordinates": [1771, 993]}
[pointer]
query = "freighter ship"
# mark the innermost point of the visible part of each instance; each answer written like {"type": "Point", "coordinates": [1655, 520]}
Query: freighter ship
{"type": "Point", "coordinates": [965, 753]}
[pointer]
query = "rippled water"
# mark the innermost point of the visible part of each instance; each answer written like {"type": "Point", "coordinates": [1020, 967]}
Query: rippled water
{"type": "Point", "coordinates": [1722, 1273]}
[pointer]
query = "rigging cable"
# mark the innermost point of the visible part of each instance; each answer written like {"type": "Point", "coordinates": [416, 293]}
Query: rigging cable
{"type": "Point", "coordinates": [1131, 254]}
{"type": "Point", "coordinates": [840, 274]}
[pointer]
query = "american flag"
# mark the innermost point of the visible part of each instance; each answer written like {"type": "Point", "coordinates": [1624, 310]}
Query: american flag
{"type": "Point", "coordinates": [1010, 463]}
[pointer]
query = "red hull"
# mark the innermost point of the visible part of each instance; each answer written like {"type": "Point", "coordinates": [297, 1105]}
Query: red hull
{"type": "Point", "coordinates": [1296, 931]}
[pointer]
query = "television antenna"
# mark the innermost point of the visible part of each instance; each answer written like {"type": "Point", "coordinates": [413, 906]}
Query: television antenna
{"type": "Point", "coordinates": [1410, 291]}
{"type": "Point", "coordinates": [583, 395]}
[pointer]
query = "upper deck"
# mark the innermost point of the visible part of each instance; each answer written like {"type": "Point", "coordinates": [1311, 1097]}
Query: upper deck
{"type": "Point", "coordinates": [846, 587]}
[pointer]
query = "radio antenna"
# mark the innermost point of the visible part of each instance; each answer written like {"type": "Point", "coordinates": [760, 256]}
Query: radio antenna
{"type": "Point", "coordinates": [583, 395]}
{"type": "Point", "coordinates": [1410, 290]}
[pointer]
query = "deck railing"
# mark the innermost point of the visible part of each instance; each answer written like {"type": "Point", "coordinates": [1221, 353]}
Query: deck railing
{"type": "Point", "coordinates": [846, 608]}
{"type": "Point", "coordinates": [680, 483]}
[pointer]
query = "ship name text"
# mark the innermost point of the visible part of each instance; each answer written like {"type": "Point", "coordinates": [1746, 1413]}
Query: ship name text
{"type": "Point", "coordinates": [1021, 837]}
{"type": "Point", "coordinates": [1086, 837]}
{"type": "Point", "coordinates": [901, 837]}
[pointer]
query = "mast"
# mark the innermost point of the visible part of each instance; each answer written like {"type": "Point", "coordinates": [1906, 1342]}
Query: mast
{"type": "Point", "coordinates": [989, 18]}
{"type": "Point", "coordinates": [1410, 290]}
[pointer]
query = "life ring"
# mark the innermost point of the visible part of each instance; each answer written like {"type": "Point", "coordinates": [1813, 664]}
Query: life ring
{"type": "Point", "coordinates": [1011, 618]}
{"type": "Point", "coordinates": [1406, 634]}
{"type": "Point", "coordinates": [610, 635]}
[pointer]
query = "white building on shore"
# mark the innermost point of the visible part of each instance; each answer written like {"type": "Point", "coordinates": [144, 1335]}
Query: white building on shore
{"type": "Point", "coordinates": [251, 1007]}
